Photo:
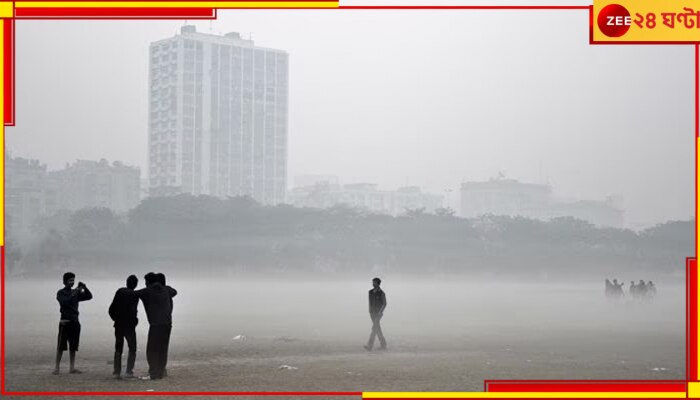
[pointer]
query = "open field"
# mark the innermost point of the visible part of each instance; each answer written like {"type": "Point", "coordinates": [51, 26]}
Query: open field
{"type": "Point", "coordinates": [443, 336]}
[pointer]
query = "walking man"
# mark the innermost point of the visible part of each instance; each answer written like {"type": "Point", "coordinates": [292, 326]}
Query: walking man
{"type": "Point", "coordinates": [123, 312]}
{"type": "Point", "coordinates": [69, 325]}
{"type": "Point", "coordinates": [157, 300]}
{"type": "Point", "coordinates": [377, 304]}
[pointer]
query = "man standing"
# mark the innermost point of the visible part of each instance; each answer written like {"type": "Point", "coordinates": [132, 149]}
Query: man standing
{"type": "Point", "coordinates": [123, 312]}
{"type": "Point", "coordinates": [157, 300]}
{"type": "Point", "coordinates": [160, 278]}
{"type": "Point", "coordinates": [377, 304]}
{"type": "Point", "coordinates": [69, 325]}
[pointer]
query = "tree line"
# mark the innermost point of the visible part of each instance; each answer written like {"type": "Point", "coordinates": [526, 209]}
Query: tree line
{"type": "Point", "coordinates": [206, 235]}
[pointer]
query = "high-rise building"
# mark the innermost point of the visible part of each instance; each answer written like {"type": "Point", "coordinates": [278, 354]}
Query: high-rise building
{"type": "Point", "coordinates": [218, 117]}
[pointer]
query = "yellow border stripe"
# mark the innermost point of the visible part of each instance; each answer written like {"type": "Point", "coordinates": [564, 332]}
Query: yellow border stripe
{"type": "Point", "coordinates": [531, 395]}
{"type": "Point", "coordinates": [693, 389]}
{"type": "Point", "coordinates": [179, 4]}
{"type": "Point", "coordinates": [6, 9]}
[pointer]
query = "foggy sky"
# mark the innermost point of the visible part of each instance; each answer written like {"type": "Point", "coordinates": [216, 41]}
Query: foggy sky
{"type": "Point", "coordinates": [419, 97]}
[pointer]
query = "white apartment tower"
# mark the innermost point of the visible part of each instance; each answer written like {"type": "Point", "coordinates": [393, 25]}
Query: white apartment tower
{"type": "Point", "coordinates": [217, 117]}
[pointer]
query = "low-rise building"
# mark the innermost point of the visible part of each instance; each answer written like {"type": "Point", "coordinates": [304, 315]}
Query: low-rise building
{"type": "Point", "coordinates": [365, 196]}
{"type": "Point", "coordinates": [31, 191]}
{"type": "Point", "coordinates": [86, 184]}
{"type": "Point", "coordinates": [599, 213]}
{"type": "Point", "coordinates": [25, 200]}
{"type": "Point", "coordinates": [512, 198]}
{"type": "Point", "coordinates": [504, 197]}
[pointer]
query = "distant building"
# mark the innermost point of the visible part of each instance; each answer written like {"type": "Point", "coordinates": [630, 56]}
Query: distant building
{"type": "Point", "coordinates": [313, 180]}
{"type": "Point", "coordinates": [412, 198]}
{"type": "Point", "coordinates": [504, 197]}
{"type": "Point", "coordinates": [86, 184]}
{"type": "Point", "coordinates": [365, 196]}
{"type": "Point", "coordinates": [512, 198]}
{"type": "Point", "coordinates": [31, 191]}
{"type": "Point", "coordinates": [600, 213]}
{"type": "Point", "coordinates": [217, 117]}
{"type": "Point", "coordinates": [25, 200]}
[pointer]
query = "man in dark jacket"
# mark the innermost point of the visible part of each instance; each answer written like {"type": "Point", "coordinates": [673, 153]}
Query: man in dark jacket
{"type": "Point", "coordinates": [377, 304]}
{"type": "Point", "coordinates": [123, 312]}
{"type": "Point", "coordinates": [157, 300]}
{"type": "Point", "coordinates": [160, 278]}
{"type": "Point", "coordinates": [69, 325]}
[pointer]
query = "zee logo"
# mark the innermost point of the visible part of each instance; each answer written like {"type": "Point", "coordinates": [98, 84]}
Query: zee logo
{"type": "Point", "coordinates": [619, 20]}
{"type": "Point", "coordinates": [614, 20]}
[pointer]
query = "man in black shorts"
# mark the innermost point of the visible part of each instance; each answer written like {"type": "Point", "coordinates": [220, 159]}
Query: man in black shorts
{"type": "Point", "coordinates": [123, 312]}
{"type": "Point", "coordinates": [69, 326]}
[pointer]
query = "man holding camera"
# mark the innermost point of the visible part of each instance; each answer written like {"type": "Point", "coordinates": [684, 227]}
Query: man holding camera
{"type": "Point", "coordinates": [69, 326]}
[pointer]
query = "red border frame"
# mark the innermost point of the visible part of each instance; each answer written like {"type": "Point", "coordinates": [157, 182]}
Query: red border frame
{"type": "Point", "coordinates": [489, 385]}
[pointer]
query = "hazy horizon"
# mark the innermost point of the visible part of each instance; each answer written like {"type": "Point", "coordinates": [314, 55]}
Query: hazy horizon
{"type": "Point", "coordinates": [427, 98]}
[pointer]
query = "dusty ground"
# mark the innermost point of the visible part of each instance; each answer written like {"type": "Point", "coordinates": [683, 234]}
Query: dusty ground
{"type": "Point", "coordinates": [449, 342]}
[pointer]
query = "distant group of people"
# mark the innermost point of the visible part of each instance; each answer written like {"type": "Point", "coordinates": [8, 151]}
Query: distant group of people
{"type": "Point", "coordinates": [157, 299]}
{"type": "Point", "coordinates": [638, 291]}
{"type": "Point", "coordinates": [642, 290]}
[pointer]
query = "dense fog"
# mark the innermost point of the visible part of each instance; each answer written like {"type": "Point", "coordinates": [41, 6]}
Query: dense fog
{"type": "Point", "coordinates": [509, 329]}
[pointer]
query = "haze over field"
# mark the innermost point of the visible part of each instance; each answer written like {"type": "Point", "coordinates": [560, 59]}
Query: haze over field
{"type": "Point", "coordinates": [235, 334]}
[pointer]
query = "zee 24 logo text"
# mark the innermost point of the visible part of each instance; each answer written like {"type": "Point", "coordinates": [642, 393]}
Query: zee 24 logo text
{"type": "Point", "coordinates": [615, 20]}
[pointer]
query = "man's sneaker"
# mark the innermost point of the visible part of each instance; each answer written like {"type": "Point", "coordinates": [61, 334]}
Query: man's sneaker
{"type": "Point", "coordinates": [129, 376]}
{"type": "Point", "coordinates": [145, 378]}
{"type": "Point", "coordinates": [75, 371]}
{"type": "Point", "coordinates": [55, 372]}
{"type": "Point", "coordinates": [116, 376]}
{"type": "Point", "coordinates": [367, 348]}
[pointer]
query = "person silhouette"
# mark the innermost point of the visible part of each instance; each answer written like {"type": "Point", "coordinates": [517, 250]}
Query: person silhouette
{"type": "Point", "coordinates": [377, 304]}
{"type": "Point", "coordinates": [123, 311]}
{"type": "Point", "coordinates": [608, 288]}
{"type": "Point", "coordinates": [157, 300]}
{"type": "Point", "coordinates": [641, 289]}
{"type": "Point", "coordinates": [618, 289]}
{"type": "Point", "coordinates": [651, 290]}
{"type": "Point", "coordinates": [69, 324]}
{"type": "Point", "coordinates": [160, 277]}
